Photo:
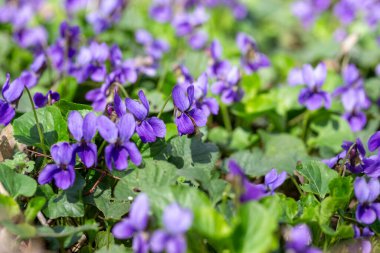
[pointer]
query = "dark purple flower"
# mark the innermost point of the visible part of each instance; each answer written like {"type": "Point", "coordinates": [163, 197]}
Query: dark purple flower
{"type": "Point", "coordinates": [356, 155]}
{"type": "Point", "coordinates": [149, 129]}
{"type": "Point", "coordinates": [171, 239]}
{"type": "Point", "coordinates": [366, 193]}
{"type": "Point", "coordinates": [120, 147]}
{"type": "Point", "coordinates": [11, 93]}
{"type": "Point", "coordinates": [135, 224]}
{"type": "Point", "coordinates": [83, 131]}
{"type": "Point", "coordinates": [228, 87]}
{"type": "Point", "coordinates": [249, 191]}
{"type": "Point", "coordinates": [252, 60]}
{"type": "Point", "coordinates": [298, 239]}
{"type": "Point", "coordinates": [41, 100]}
{"type": "Point", "coordinates": [62, 171]}
{"type": "Point", "coordinates": [187, 116]}
{"type": "Point", "coordinates": [312, 96]}
{"type": "Point", "coordinates": [273, 179]}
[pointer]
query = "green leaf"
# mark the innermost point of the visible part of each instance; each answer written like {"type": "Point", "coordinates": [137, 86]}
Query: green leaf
{"type": "Point", "coordinates": [318, 175]}
{"type": "Point", "coordinates": [67, 203]}
{"type": "Point", "coordinates": [242, 139]}
{"type": "Point", "coordinates": [34, 206]}
{"type": "Point", "coordinates": [17, 184]}
{"type": "Point", "coordinates": [193, 153]}
{"type": "Point", "coordinates": [20, 162]}
{"type": "Point", "coordinates": [155, 173]}
{"type": "Point", "coordinates": [255, 228]}
{"type": "Point", "coordinates": [281, 151]}
{"type": "Point", "coordinates": [65, 107]}
{"type": "Point", "coordinates": [64, 231]}
{"type": "Point", "coordinates": [331, 134]}
{"type": "Point", "coordinates": [113, 248]}
{"type": "Point", "coordinates": [8, 207]}
{"type": "Point", "coordinates": [111, 207]}
{"type": "Point", "coordinates": [53, 126]}
{"type": "Point", "coordinates": [67, 88]}
{"type": "Point", "coordinates": [104, 238]}
{"type": "Point", "coordinates": [23, 230]}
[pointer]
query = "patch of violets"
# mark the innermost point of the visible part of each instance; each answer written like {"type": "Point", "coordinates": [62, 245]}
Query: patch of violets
{"type": "Point", "coordinates": [187, 17]}
{"type": "Point", "coordinates": [346, 12]}
{"type": "Point", "coordinates": [298, 239]}
{"type": "Point", "coordinates": [352, 92]}
{"type": "Point", "coordinates": [250, 191]}
{"type": "Point", "coordinates": [171, 238]}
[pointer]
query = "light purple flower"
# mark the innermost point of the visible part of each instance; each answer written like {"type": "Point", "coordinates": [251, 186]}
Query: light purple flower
{"type": "Point", "coordinates": [228, 87]}
{"type": "Point", "coordinates": [312, 96]}
{"type": "Point", "coordinates": [177, 221]}
{"type": "Point", "coordinates": [62, 171]}
{"type": "Point", "coordinates": [273, 179]}
{"type": "Point", "coordinates": [298, 239]}
{"type": "Point", "coordinates": [374, 141]}
{"type": "Point", "coordinates": [135, 224]}
{"type": "Point", "coordinates": [366, 193]}
{"type": "Point", "coordinates": [120, 147]}
{"type": "Point", "coordinates": [83, 131]}
{"type": "Point", "coordinates": [208, 105]}
{"type": "Point", "coordinates": [11, 93]}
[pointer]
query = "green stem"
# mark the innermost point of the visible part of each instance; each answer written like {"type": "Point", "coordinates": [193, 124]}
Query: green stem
{"type": "Point", "coordinates": [101, 147]}
{"type": "Point", "coordinates": [163, 107]}
{"type": "Point", "coordinates": [123, 90]}
{"type": "Point", "coordinates": [226, 117]}
{"type": "Point", "coordinates": [297, 185]}
{"type": "Point", "coordinates": [40, 133]}
{"type": "Point", "coordinates": [162, 78]}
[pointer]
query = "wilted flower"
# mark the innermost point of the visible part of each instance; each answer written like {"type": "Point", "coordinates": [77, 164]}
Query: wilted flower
{"type": "Point", "coordinates": [177, 221]}
{"type": "Point", "coordinates": [62, 171]}
{"type": "Point", "coordinates": [135, 224]}
{"type": "Point", "coordinates": [83, 131]}
{"type": "Point", "coordinates": [120, 147]}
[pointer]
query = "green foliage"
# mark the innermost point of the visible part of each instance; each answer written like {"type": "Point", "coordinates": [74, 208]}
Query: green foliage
{"type": "Point", "coordinates": [17, 184]}
{"type": "Point", "coordinates": [53, 125]}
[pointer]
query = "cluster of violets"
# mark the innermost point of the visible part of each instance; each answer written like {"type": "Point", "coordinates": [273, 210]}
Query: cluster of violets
{"type": "Point", "coordinates": [188, 16]}
{"type": "Point", "coordinates": [171, 238]}
{"type": "Point", "coordinates": [346, 11]}
{"type": "Point", "coordinates": [352, 93]}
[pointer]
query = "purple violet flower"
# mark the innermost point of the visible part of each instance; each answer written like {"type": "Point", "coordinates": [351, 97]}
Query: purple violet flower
{"type": "Point", "coordinates": [252, 60]}
{"type": "Point", "coordinates": [228, 87]}
{"type": "Point", "coordinates": [208, 105]}
{"type": "Point", "coordinates": [366, 193]}
{"type": "Point", "coordinates": [135, 225]}
{"type": "Point", "coordinates": [161, 11]}
{"type": "Point", "coordinates": [149, 129]}
{"type": "Point", "coordinates": [120, 148]}
{"type": "Point", "coordinates": [250, 191]}
{"type": "Point", "coordinates": [273, 179]}
{"type": "Point", "coordinates": [298, 239]}
{"type": "Point", "coordinates": [83, 131]}
{"type": "Point", "coordinates": [312, 96]}
{"type": "Point", "coordinates": [62, 171]}
{"type": "Point", "coordinates": [177, 221]}
{"type": "Point", "coordinates": [187, 116]}
{"type": "Point", "coordinates": [11, 93]}
{"type": "Point", "coordinates": [41, 100]}
{"type": "Point", "coordinates": [374, 141]}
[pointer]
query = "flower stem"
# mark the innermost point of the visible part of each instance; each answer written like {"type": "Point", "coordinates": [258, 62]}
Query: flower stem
{"type": "Point", "coordinates": [296, 185]}
{"type": "Point", "coordinates": [163, 107]}
{"type": "Point", "coordinates": [42, 140]}
{"type": "Point", "coordinates": [226, 117]}
{"type": "Point", "coordinates": [101, 147]}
